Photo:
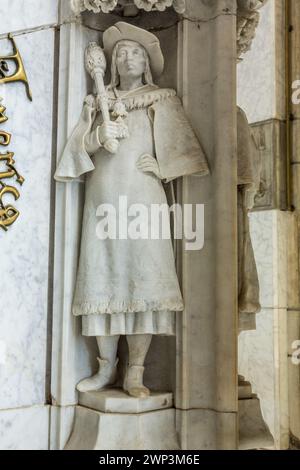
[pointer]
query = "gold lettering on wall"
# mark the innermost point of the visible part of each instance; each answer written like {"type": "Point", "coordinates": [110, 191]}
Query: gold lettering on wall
{"type": "Point", "coordinates": [11, 172]}
{"type": "Point", "coordinates": [3, 118]}
{"type": "Point", "coordinates": [20, 74]}
{"type": "Point", "coordinates": [5, 138]}
{"type": "Point", "coordinates": [8, 213]}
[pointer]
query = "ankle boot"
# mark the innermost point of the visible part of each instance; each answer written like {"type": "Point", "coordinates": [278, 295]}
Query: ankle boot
{"type": "Point", "coordinates": [106, 375]}
{"type": "Point", "coordinates": [133, 382]}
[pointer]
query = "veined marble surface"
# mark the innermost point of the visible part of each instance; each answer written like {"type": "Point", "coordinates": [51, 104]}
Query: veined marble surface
{"type": "Point", "coordinates": [268, 233]}
{"type": "Point", "coordinates": [24, 428]}
{"type": "Point", "coordinates": [24, 248]}
{"type": "Point", "coordinates": [17, 15]}
{"type": "Point", "coordinates": [256, 73]}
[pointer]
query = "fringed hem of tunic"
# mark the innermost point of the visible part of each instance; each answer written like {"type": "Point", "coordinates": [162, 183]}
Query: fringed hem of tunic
{"type": "Point", "coordinates": [113, 307]}
{"type": "Point", "coordinates": [154, 323]}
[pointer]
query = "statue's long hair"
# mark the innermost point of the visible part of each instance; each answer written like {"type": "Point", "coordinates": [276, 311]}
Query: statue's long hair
{"type": "Point", "coordinates": [115, 78]}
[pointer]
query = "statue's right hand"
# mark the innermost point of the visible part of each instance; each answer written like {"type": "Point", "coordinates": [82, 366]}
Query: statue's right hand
{"type": "Point", "coordinates": [108, 131]}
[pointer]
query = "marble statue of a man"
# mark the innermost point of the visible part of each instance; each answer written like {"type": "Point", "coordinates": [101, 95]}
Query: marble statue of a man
{"type": "Point", "coordinates": [128, 286]}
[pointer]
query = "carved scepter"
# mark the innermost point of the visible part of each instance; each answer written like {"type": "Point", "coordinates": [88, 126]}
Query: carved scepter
{"type": "Point", "coordinates": [95, 63]}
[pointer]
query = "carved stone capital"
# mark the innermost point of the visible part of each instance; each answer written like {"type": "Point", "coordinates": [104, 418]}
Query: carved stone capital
{"type": "Point", "coordinates": [247, 22]}
{"type": "Point", "coordinates": [247, 13]}
{"type": "Point", "coordinates": [107, 6]}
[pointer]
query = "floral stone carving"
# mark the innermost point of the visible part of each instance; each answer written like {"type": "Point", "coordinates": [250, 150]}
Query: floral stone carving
{"type": "Point", "coordinates": [106, 6]}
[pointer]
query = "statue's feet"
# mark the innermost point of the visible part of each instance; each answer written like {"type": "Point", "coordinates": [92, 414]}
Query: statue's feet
{"type": "Point", "coordinates": [133, 383]}
{"type": "Point", "coordinates": [105, 376]}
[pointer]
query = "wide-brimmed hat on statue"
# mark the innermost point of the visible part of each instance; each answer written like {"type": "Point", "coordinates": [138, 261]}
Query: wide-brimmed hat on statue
{"type": "Point", "coordinates": [125, 31]}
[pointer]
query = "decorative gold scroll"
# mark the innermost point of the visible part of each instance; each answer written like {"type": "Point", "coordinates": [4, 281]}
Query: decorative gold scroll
{"type": "Point", "coordinates": [20, 74]}
{"type": "Point", "coordinates": [5, 138]}
{"type": "Point", "coordinates": [3, 118]}
{"type": "Point", "coordinates": [8, 213]}
{"type": "Point", "coordinates": [10, 163]}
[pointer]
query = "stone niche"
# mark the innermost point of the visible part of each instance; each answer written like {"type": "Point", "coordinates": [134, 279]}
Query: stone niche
{"type": "Point", "coordinates": [199, 366]}
{"type": "Point", "coordinates": [161, 360]}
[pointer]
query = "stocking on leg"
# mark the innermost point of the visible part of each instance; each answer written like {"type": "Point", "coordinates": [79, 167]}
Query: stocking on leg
{"type": "Point", "coordinates": [106, 375]}
{"type": "Point", "coordinates": [138, 346]}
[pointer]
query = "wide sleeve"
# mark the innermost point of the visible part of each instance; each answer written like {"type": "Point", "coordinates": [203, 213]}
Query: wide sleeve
{"type": "Point", "coordinates": [178, 150]}
{"type": "Point", "coordinates": [75, 160]}
{"type": "Point", "coordinates": [92, 142]}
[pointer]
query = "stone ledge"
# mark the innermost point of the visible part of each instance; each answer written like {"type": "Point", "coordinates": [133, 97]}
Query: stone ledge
{"type": "Point", "coordinates": [117, 401]}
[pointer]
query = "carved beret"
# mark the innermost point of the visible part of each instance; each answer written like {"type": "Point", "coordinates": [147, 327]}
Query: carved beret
{"type": "Point", "coordinates": [123, 31]}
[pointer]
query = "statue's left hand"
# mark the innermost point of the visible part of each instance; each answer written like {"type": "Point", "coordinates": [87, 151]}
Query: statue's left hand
{"type": "Point", "coordinates": [148, 164]}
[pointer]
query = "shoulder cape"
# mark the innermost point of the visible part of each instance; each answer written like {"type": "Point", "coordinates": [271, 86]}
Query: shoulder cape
{"type": "Point", "coordinates": [178, 150]}
{"type": "Point", "coordinates": [75, 160]}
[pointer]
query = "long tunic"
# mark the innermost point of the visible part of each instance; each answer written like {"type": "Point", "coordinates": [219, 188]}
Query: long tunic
{"type": "Point", "coordinates": [125, 286]}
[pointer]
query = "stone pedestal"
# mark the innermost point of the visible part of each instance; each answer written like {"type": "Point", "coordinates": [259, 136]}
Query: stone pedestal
{"type": "Point", "coordinates": [112, 420]}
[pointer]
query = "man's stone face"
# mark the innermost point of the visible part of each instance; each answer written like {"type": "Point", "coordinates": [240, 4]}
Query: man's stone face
{"type": "Point", "coordinates": [131, 61]}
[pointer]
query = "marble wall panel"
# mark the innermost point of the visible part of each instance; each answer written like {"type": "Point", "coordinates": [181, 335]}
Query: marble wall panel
{"type": "Point", "coordinates": [18, 15]}
{"type": "Point", "coordinates": [263, 362]}
{"type": "Point", "coordinates": [24, 248]}
{"type": "Point", "coordinates": [269, 230]}
{"type": "Point", "coordinates": [263, 352]}
{"type": "Point", "coordinates": [24, 428]}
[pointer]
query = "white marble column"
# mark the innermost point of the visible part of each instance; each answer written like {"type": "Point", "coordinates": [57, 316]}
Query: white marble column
{"type": "Point", "coordinates": [206, 393]}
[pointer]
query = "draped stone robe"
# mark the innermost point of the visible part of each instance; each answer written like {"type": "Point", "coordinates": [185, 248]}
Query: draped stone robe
{"type": "Point", "coordinates": [129, 286]}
